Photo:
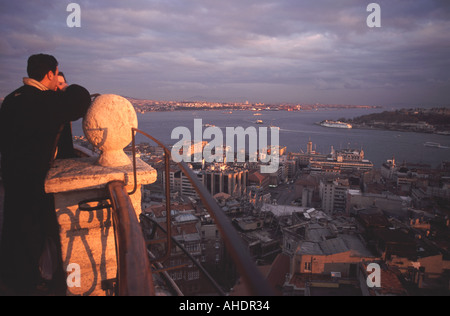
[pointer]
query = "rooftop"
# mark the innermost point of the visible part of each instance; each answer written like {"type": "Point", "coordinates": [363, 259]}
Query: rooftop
{"type": "Point", "coordinates": [323, 285]}
{"type": "Point", "coordinates": [159, 210]}
{"type": "Point", "coordinates": [390, 285]}
{"type": "Point", "coordinates": [288, 210]}
{"type": "Point", "coordinates": [373, 218]}
{"type": "Point", "coordinates": [257, 176]}
{"type": "Point", "coordinates": [342, 243]}
{"type": "Point", "coordinates": [182, 218]}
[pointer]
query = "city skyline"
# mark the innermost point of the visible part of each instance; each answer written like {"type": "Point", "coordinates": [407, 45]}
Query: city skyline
{"type": "Point", "coordinates": [261, 51]}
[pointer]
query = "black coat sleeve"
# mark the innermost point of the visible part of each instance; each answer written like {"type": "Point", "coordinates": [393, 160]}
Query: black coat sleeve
{"type": "Point", "coordinates": [71, 104]}
{"type": "Point", "coordinates": [2, 128]}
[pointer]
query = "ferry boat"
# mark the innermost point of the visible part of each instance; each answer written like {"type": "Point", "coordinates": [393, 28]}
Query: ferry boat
{"type": "Point", "coordinates": [435, 145]}
{"type": "Point", "coordinates": [431, 144]}
{"type": "Point", "coordinates": [336, 124]}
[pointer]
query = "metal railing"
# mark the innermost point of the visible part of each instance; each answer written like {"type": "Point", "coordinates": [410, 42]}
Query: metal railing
{"type": "Point", "coordinates": [211, 280]}
{"type": "Point", "coordinates": [252, 277]}
{"type": "Point", "coordinates": [133, 266]}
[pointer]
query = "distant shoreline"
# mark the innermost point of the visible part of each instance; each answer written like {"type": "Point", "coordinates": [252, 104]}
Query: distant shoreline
{"type": "Point", "coordinates": [239, 109]}
{"type": "Point", "coordinates": [427, 121]}
{"type": "Point", "coordinates": [144, 108]}
{"type": "Point", "coordinates": [365, 127]}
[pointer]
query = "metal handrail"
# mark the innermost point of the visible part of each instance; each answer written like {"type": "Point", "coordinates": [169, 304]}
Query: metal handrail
{"type": "Point", "coordinates": [255, 281]}
{"type": "Point", "coordinates": [193, 260]}
{"type": "Point", "coordinates": [134, 275]}
{"type": "Point", "coordinates": [167, 156]}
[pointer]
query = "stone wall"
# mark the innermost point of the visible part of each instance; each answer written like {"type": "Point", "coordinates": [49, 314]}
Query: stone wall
{"type": "Point", "coordinates": [87, 238]}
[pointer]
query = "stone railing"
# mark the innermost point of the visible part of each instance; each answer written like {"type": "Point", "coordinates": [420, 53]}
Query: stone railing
{"type": "Point", "coordinates": [88, 237]}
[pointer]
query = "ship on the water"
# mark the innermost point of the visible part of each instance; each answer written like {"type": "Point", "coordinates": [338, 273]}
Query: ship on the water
{"type": "Point", "coordinates": [336, 124]}
{"type": "Point", "coordinates": [435, 145]}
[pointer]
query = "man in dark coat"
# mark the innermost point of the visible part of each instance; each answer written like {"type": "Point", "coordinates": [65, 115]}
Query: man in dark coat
{"type": "Point", "coordinates": [30, 121]}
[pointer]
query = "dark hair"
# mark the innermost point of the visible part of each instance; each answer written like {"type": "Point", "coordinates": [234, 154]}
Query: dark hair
{"type": "Point", "coordinates": [39, 65]}
{"type": "Point", "coordinates": [62, 75]}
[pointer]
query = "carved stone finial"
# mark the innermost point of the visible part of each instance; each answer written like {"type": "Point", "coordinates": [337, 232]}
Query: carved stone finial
{"type": "Point", "coordinates": [107, 126]}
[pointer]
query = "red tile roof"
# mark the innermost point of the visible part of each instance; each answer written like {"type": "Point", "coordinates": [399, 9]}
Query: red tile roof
{"type": "Point", "coordinates": [256, 176]}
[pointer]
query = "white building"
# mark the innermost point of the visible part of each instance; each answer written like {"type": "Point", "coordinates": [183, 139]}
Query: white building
{"type": "Point", "coordinates": [334, 195]}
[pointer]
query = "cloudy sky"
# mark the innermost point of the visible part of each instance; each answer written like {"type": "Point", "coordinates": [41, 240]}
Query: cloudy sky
{"type": "Point", "coordinates": [297, 51]}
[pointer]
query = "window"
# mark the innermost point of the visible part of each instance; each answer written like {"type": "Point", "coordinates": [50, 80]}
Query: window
{"type": "Point", "coordinates": [176, 275]}
{"type": "Point", "coordinates": [288, 245]}
{"type": "Point", "coordinates": [193, 247]}
{"type": "Point", "coordinates": [308, 266]}
{"type": "Point", "coordinates": [193, 275]}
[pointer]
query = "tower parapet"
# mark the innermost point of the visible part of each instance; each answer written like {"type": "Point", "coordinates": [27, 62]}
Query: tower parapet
{"type": "Point", "coordinates": [88, 238]}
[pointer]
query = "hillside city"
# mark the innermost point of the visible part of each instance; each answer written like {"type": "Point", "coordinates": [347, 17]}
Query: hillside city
{"type": "Point", "coordinates": [143, 106]}
{"type": "Point", "coordinates": [313, 226]}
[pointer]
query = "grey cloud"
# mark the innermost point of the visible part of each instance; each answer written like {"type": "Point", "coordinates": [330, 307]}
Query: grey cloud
{"type": "Point", "coordinates": [206, 47]}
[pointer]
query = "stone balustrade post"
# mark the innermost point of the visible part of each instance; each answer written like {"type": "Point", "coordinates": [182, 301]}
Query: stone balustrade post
{"type": "Point", "coordinates": [87, 238]}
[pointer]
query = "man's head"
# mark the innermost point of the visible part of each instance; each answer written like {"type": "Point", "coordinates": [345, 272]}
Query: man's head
{"type": "Point", "coordinates": [44, 68]}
